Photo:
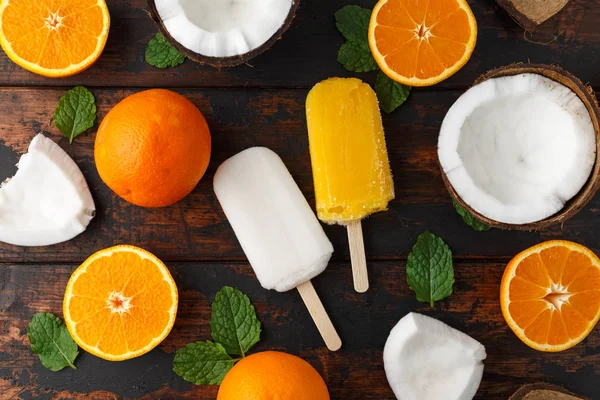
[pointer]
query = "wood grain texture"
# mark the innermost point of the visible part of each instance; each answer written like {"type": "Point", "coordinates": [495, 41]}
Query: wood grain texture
{"type": "Point", "coordinates": [362, 320]}
{"type": "Point", "coordinates": [307, 52]}
{"type": "Point", "coordinates": [196, 228]}
{"type": "Point", "coordinates": [262, 104]}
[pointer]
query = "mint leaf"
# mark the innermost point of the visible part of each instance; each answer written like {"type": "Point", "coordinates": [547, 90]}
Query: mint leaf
{"type": "Point", "coordinates": [51, 340]}
{"type": "Point", "coordinates": [390, 93]}
{"type": "Point", "coordinates": [235, 329]}
{"type": "Point", "coordinates": [75, 113]}
{"type": "Point", "coordinates": [470, 219]}
{"type": "Point", "coordinates": [429, 269]}
{"type": "Point", "coordinates": [203, 363]}
{"type": "Point", "coordinates": [161, 54]}
{"type": "Point", "coordinates": [353, 23]}
{"type": "Point", "coordinates": [234, 323]}
{"type": "Point", "coordinates": [356, 57]}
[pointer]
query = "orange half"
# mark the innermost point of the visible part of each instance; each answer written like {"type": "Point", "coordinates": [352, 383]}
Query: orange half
{"type": "Point", "coordinates": [120, 303]}
{"type": "Point", "coordinates": [54, 38]}
{"type": "Point", "coordinates": [550, 295]}
{"type": "Point", "coordinates": [422, 42]}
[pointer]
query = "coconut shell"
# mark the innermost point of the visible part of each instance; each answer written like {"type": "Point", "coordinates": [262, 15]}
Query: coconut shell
{"type": "Point", "coordinates": [544, 391]}
{"type": "Point", "coordinates": [586, 94]}
{"type": "Point", "coordinates": [220, 62]}
{"type": "Point", "coordinates": [531, 13]}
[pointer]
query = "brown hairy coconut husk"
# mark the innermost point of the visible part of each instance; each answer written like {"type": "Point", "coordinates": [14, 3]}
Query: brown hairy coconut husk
{"type": "Point", "coordinates": [544, 391]}
{"type": "Point", "coordinates": [220, 62]}
{"type": "Point", "coordinates": [586, 94]}
{"type": "Point", "coordinates": [531, 13]}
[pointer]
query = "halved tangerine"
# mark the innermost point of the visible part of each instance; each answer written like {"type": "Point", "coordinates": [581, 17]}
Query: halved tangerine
{"type": "Point", "coordinates": [54, 38]}
{"type": "Point", "coordinates": [550, 294]}
{"type": "Point", "coordinates": [422, 42]}
{"type": "Point", "coordinates": [120, 303]}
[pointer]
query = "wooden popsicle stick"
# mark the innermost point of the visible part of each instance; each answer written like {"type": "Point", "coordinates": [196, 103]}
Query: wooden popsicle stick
{"type": "Point", "coordinates": [319, 315]}
{"type": "Point", "coordinates": [358, 257]}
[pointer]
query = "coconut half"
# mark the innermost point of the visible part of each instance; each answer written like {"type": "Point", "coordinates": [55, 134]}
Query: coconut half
{"type": "Point", "coordinates": [425, 359]}
{"type": "Point", "coordinates": [47, 201]}
{"type": "Point", "coordinates": [222, 32]}
{"type": "Point", "coordinates": [515, 149]}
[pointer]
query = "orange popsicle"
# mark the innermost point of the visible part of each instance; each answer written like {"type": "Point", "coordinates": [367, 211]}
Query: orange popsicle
{"type": "Point", "coordinates": [351, 170]}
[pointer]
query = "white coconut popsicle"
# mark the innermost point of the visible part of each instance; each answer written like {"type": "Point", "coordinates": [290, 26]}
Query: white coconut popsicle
{"type": "Point", "coordinates": [279, 233]}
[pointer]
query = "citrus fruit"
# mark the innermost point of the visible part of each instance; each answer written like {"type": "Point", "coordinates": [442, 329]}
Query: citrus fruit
{"type": "Point", "coordinates": [550, 294]}
{"type": "Point", "coordinates": [54, 38]}
{"type": "Point", "coordinates": [153, 148]}
{"type": "Point", "coordinates": [420, 43]}
{"type": "Point", "coordinates": [120, 303]}
{"type": "Point", "coordinates": [273, 375]}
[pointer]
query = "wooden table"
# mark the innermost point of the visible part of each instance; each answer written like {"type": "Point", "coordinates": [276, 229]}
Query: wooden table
{"type": "Point", "coordinates": [263, 105]}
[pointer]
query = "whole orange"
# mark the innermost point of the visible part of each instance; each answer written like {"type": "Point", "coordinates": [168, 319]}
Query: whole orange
{"type": "Point", "coordinates": [273, 375]}
{"type": "Point", "coordinates": [153, 148]}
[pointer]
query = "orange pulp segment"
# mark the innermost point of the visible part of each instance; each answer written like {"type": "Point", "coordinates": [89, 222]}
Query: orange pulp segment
{"type": "Point", "coordinates": [422, 42]}
{"type": "Point", "coordinates": [550, 295]}
{"type": "Point", "coordinates": [54, 38]}
{"type": "Point", "coordinates": [120, 303]}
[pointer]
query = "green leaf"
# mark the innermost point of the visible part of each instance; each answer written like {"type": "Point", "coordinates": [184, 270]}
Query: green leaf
{"type": "Point", "coordinates": [235, 329]}
{"type": "Point", "coordinates": [161, 54]}
{"type": "Point", "coordinates": [75, 113]}
{"type": "Point", "coordinates": [50, 339]}
{"type": "Point", "coordinates": [234, 323]}
{"type": "Point", "coordinates": [203, 363]}
{"type": "Point", "coordinates": [356, 57]}
{"type": "Point", "coordinates": [429, 269]}
{"type": "Point", "coordinates": [353, 23]}
{"type": "Point", "coordinates": [470, 219]}
{"type": "Point", "coordinates": [391, 94]}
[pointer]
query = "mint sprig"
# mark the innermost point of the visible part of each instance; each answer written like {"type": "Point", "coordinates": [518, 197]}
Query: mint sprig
{"type": "Point", "coordinates": [429, 270]}
{"type": "Point", "coordinates": [391, 94]}
{"type": "Point", "coordinates": [235, 329]}
{"type": "Point", "coordinates": [353, 23]}
{"type": "Point", "coordinates": [234, 323]}
{"type": "Point", "coordinates": [203, 363]}
{"type": "Point", "coordinates": [355, 55]}
{"type": "Point", "coordinates": [50, 339]}
{"type": "Point", "coordinates": [160, 53]}
{"type": "Point", "coordinates": [469, 219]}
{"type": "Point", "coordinates": [75, 113]}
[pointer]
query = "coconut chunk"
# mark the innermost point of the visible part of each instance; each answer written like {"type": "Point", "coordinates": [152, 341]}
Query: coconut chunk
{"type": "Point", "coordinates": [47, 201]}
{"type": "Point", "coordinates": [517, 148]}
{"type": "Point", "coordinates": [222, 28]}
{"type": "Point", "coordinates": [425, 359]}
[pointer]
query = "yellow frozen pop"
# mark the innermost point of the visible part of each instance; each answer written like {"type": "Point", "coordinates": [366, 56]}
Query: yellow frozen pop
{"type": "Point", "coordinates": [351, 170]}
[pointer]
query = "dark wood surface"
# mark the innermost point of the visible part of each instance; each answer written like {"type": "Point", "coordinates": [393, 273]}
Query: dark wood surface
{"type": "Point", "coordinates": [263, 104]}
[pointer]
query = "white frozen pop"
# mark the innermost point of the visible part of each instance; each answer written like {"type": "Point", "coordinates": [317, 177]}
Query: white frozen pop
{"type": "Point", "coordinates": [278, 231]}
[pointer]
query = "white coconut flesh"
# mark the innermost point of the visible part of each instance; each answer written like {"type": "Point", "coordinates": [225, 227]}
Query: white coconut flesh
{"type": "Point", "coordinates": [425, 359]}
{"type": "Point", "coordinates": [222, 28]}
{"type": "Point", "coordinates": [517, 148]}
{"type": "Point", "coordinates": [47, 201]}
